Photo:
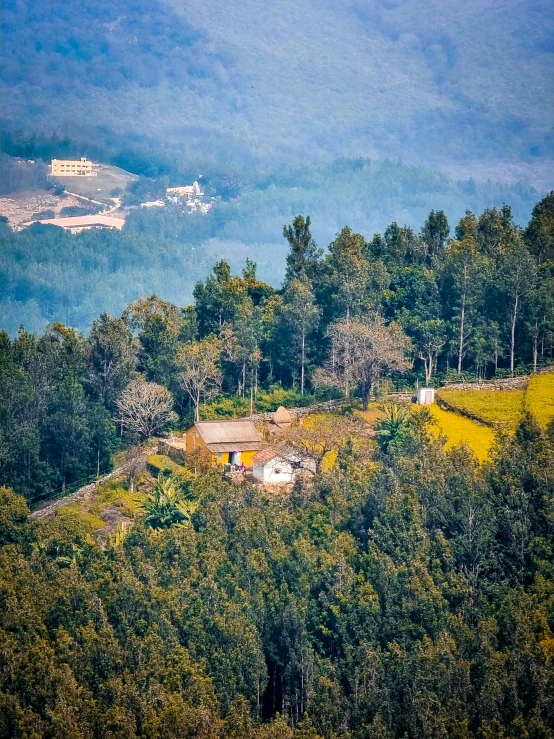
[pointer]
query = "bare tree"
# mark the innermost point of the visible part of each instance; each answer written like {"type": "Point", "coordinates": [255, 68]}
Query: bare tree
{"type": "Point", "coordinates": [314, 440]}
{"type": "Point", "coordinates": [361, 351]}
{"type": "Point", "coordinates": [199, 374]}
{"type": "Point", "coordinates": [135, 463]}
{"type": "Point", "coordinates": [145, 408]}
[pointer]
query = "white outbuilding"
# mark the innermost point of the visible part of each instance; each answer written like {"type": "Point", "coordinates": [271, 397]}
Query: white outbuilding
{"type": "Point", "coordinates": [425, 395]}
{"type": "Point", "coordinates": [274, 467]}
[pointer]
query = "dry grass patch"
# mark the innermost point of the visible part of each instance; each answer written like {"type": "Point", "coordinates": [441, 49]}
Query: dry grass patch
{"type": "Point", "coordinates": [499, 406]}
{"type": "Point", "coordinates": [539, 399]}
{"type": "Point", "coordinates": [460, 430]}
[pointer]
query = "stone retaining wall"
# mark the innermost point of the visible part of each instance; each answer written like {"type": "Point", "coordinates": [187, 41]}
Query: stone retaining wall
{"type": "Point", "coordinates": [446, 406]}
{"type": "Point", "coordinates": [326, 407]}
{"type": "Point", "coordinates": [511, 383]}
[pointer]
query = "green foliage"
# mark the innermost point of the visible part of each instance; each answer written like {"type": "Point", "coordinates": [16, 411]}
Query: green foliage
{"type": "Point", "coordinates": [170, 502]}
{"type": "Point", "coordinates": [375, 594]}
{"type": "Point", "coordinates": [393, 423]}
{"type": "Point", "coordinates": [167, 253]}
{"type": "Point", "coordinates": [15, 527]}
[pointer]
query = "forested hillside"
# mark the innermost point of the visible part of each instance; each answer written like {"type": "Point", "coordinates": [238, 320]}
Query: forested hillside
{"type": "Point", "coordinates": [409, 597]}
{"type": "Point", "coordinates": [428, 82]}
{"type": "Point", "coordinates": [401, 590]}
{"type": "Point", "coordinates": [48, 275]}
{"type": "Point", "coordinates": [475, 303]}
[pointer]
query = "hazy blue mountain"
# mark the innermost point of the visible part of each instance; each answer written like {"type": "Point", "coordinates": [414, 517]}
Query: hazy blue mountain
{"type": "Point", "coordinates": [461, 86]}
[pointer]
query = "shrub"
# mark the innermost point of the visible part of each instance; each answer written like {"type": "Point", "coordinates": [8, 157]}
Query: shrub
{"type": "Point", "coordinates": [162, 463]}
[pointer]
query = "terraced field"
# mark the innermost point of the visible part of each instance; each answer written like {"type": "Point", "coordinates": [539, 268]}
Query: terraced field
{"type": "Point", "coordinates": [503, 407]}
{"type": "Point", "coordinates": [539, 399]}
{"type": "Point", "coordinates": [461, 430]}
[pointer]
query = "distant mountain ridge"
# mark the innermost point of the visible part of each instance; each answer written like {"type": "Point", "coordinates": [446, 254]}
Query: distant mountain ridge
{"type": "Point", "coordinates": [442, 84]}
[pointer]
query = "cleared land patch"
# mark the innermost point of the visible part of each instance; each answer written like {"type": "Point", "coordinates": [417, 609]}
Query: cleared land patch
{"type": "Point", "coordinates": [107, 180]}
{"type": "Point", "coordinates": [539, 399]}
{"type": "Point", "coordinates": [502, 407]}
{"type": "Point", "coordinates": [460, 430]}
{"type": "Point", "coordinates": [111, 503]}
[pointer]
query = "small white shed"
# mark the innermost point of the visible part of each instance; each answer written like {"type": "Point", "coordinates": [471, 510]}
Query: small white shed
{"type": "Point", "coordinates": [276, 467]}
{"type": "Point", "coordinates": [425, 396]}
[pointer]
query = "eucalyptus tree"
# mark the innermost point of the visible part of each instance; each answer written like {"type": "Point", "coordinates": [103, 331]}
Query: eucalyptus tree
{"type": "Point", "coordinates": [300, 316]}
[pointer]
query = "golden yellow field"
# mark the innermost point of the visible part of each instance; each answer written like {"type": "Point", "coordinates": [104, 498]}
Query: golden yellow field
{"type": "Point", "coordinates": [539, 399]}
{"type": "Point", "coordinates": [500, 406]}
{"type": "Point", "coordinates": [460, 430]}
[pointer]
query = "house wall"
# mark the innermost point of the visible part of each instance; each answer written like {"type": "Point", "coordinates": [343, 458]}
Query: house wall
{"type": "Point", "coordinates": [193, 441]}
{"type": "Point", "coordinates": [275, 471]}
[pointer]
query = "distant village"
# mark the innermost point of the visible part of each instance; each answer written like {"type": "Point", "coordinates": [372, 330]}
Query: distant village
{"type": "Point", "coordinates": [24, 210]}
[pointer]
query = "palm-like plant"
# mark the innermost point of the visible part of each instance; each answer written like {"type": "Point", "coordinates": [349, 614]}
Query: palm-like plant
{"type": "Point", "coordinates": [169, 503]}
{"type": "Point", "coordinates": [389, 427]}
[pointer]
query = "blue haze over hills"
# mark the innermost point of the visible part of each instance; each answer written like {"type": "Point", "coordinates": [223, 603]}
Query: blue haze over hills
{"type": "Point", "coordinates": [466, 87]}
{"type": "Point", "coordinates": [355, 112]}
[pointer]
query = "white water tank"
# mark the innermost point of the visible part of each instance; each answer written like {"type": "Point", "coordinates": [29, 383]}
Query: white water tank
{"type": "Point", "coordinates": [425, 396]}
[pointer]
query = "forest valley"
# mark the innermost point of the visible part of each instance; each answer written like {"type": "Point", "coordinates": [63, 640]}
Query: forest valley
{"type": "Point", "coordinates": [404, 591]}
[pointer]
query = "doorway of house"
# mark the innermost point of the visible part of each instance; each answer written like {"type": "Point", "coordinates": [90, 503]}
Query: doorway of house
{"type": "Point", "coordinates": [234, 458]}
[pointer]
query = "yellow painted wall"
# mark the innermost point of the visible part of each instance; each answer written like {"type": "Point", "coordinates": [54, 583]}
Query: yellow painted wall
{"type": "Point", "coordinates": [194, 441]}
{"type": "Point", "coordinates": [248, 458]}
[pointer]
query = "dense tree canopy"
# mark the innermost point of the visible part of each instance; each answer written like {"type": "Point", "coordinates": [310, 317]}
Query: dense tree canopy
{"type": "Point", "coordinates": [411, 597]}
{"type": "Point", "coordinates": [475, 305]}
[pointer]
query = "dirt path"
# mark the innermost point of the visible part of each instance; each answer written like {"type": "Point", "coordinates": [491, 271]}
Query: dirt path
{"type": "Point", "coordinates": [85, 493]}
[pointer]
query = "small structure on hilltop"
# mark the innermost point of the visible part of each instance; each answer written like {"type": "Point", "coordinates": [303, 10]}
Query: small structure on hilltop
{"type": "Point", "coordinates": [187, 191]}
{"type": "Point", "coordinates": [72, 168]}
{"type": "Point", "coordinates": [282, 466]}
{"type": "Point", "coordinates": [153, 204]}
{"type": "Point", "coordinates": [279, 422]}
{"type": "Point", "coordinates": [425, 396]}
{"type": "Point", "coordinates": [232, 442]}
{"type": "Point", "coordinates": [282, 418]}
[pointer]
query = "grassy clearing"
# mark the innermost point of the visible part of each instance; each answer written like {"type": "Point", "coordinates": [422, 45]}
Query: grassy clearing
{"type": "Point", "coordinates": [539, 399]}
{"type": "Point", "coordinates": [460, 430]}
{"type": "Point", "coordinates": [113, 494]}
{"type": "Point", "coordinates": [500, 406]}
{"type": "Point", "coordinates": [100, 187]}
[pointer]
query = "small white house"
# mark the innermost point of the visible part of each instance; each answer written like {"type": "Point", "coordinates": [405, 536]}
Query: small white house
{"type": "Point", "coordinates": [425, 396]}
{"type": "Point", "coordinates": [276, 467]}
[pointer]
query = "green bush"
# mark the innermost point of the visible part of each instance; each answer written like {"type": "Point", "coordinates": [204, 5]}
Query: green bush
{"type": "Point", "coordinates": [162, 463]}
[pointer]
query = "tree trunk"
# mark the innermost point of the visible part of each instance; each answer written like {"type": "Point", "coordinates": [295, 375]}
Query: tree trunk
{"type": "Point", "coordinates": [513, 334]}
{"type": "Point", "coordinates": [461, 344]}
{"type": "Point", "coordinates": [428, 369]}
{"type": "Point", "coordinates": [303, 361]}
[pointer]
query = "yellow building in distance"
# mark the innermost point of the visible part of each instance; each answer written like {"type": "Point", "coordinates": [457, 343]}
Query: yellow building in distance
{"type": "Point", "coordinates": [72, 168]}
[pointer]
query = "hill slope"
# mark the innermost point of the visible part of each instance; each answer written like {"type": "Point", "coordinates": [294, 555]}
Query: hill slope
{"type": "Point", "coordinates": [47, 276]}
{"type": "Point", "coordinates": [444, 84]}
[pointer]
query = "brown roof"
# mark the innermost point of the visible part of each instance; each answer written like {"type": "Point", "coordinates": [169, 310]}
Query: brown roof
{"type": "Point", "coordinates": [229, 436]}
{"type": "Point", "coordinates": [282, 415]}
{"type": "Point", "coordinates": [265, 456]}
